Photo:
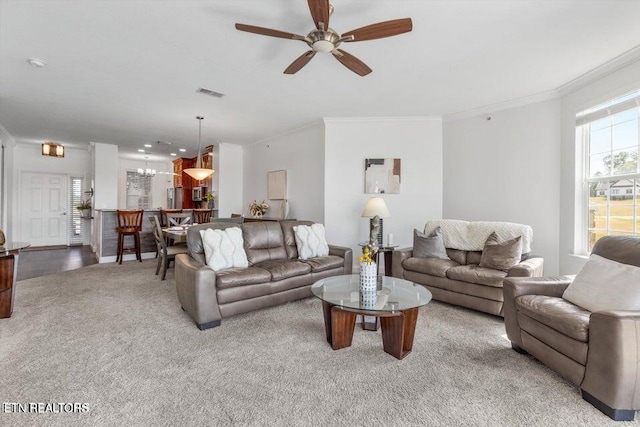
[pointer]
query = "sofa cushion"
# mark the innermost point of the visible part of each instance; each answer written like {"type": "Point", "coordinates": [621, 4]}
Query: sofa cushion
{"type": "Point", "coordinates": [458, 256]}
{"type": "Point", "coordinates": [263, 241]}
{"type": "Point", "coordinates": [324, 263]}
{"type": "Point", "coordinates": [290, 237]}
{"type": "Point", "coordinates": [432, 266]}
{"type": "Point", "coordinates": [474, 257]}
{"type": "Point", "coordinates": [476, 274]}
{"type": "Point", "coordinates": [232, 277]}
{"type": "Point", "coordinates": [283, 269]}
{"type": "Point", "coordinates": [501, 255]}
{"type": "Point", "coordinates": [604, 285]}
{"type": "Point", "coordinates": [429, 246]}
{"type": "Point", "coordinates": [310, 241]}
{"type": "Point", "coordinates": [557, 314]}
{"type": "Point", "coordinates": [224, 248]}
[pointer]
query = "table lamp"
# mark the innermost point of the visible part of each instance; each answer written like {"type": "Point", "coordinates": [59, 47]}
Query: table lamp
{"type": "Point", "coordinates": [376, 209]}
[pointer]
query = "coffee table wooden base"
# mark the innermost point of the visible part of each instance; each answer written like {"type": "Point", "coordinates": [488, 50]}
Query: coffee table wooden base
{"type": "Point", "coordinates": [398, 328]}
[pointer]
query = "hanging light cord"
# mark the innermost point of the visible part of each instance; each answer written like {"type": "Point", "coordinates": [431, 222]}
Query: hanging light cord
{"type": "Point", "coordinates": [199, 159]}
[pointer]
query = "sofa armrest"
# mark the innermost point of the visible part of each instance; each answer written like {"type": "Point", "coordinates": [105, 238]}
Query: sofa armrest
{"type": "Point", "coordinates": [343, 252]}
{"type": "Point", "coordinates": [196, 286]}
{"type": "Point", "coordinates": [612, 373]}
{"type": "Point", "coordinates": [514, 287]}
{"type": "Point", "coordinates": [530, 267]}
{"type": "Point", "coordinates": [399, 255]}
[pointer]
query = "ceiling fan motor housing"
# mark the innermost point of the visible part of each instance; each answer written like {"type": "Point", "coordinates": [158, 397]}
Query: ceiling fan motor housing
{"type": "Point", "coordinates": [323, 41]}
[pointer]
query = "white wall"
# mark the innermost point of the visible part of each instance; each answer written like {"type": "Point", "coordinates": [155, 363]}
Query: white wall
{"type": "Point", "coordinates": [230, 182]}
{"type": "Point", "coordinates": [301, 154]}
{"type": "Point", "coordinates": [507, 169]}
{"type": "Point", "coordinates": [348, 142]}
{"type": "Point", "coordinates": [105, 168]}
{"type": "Point", "coordinates": [160, 182]}
{"type": "Point", "coordinates": [28, 158]}
{"type": "Point", "coordinates": [611, 86]}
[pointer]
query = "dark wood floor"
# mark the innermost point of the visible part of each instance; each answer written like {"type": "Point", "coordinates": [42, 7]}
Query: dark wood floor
{"type": "Point", "coordinates": [39, 262]}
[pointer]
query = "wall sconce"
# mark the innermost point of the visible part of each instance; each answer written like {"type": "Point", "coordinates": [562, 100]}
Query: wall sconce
{"type": "Point", "coordinates": [52, 149]}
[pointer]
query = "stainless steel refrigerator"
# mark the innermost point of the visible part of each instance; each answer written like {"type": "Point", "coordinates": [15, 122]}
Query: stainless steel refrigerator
{"type": "Point", "coordinates": [174, 198]}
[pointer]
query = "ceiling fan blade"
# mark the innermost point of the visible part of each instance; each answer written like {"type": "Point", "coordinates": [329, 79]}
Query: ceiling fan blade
{"type": "Point", "coordinates": [300, 62]}
{"type": "Point", "coordinates": [351, 62]}
{"type": "Point", "coordinates": [320, 13]}
{"type": "Point", "coordinates": [268, 32]}
{"type": "Point", "coordinates": [380, 30]}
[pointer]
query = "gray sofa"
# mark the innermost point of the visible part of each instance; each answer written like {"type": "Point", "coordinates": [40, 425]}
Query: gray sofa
{"type": "Point", "coordinates": [275, 274]}
{"type": "Point", "coordinates": [460, 280]}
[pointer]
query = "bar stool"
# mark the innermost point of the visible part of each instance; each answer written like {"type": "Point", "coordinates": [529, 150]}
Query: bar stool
{"type": "Point", "coordinates": [201, 216]}
{"type": "Point", "coordinates": [129, 224]}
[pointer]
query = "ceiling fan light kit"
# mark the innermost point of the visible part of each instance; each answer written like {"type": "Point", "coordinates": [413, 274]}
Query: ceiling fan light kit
{"type": "Point", "coordinates": [324, 39]}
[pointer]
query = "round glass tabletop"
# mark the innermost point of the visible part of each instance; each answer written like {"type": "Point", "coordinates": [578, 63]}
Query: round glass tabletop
{"type": "Point", "coordinates": [393, 295]}
{"type": "Point", "coordinates": [13, 246]}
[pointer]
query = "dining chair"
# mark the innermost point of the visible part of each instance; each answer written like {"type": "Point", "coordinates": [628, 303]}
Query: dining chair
{"type": "Point", "coordinates": [129, 224]}
{"type": "Point", "coordinates": [177, 219]}
{"type": "Point", "coordinates": [167, 253]}
{"type": "Point", "coordinates": [201, 216]}
{"type": "Point", "coordinates": [163, 215]}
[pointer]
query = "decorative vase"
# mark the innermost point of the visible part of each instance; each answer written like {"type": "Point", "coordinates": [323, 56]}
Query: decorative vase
{"type": "Point", "coordinates": [2, 238]}
{"type": "Point", "coordinates": [368, 288]}
{"type": "Point", "coordinates": [85, 213]}
{"type": "Point", "coordinates": [211, 204]}
{"type": "Point", "coordinates": [284, 209]}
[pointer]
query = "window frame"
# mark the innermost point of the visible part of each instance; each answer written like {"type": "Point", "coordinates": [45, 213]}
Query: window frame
{"type": "Point", "coordinates": [584, 119]}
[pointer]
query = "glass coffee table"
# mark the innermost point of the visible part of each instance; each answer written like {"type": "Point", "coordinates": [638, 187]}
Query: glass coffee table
{"type": "Point", "coordinates": [396, 305]}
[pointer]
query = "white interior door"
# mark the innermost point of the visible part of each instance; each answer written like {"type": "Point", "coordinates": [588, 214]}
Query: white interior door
{"type": "Point", "coordinates": [44, 209]}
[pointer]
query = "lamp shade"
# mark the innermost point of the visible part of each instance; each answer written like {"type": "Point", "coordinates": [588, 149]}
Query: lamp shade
{"type": "Point", "coordinates": [376, 207]}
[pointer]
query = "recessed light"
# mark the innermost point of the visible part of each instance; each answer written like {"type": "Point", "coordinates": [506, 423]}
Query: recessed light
{"type": "Point", "coordinates": [140, 151]}
{"type": "Point", "coordinates": [35, 62]}
{"type": "Point", "coordinates": [182, 149]}
{"type": "Point", "coordinates": [173, 154]}
{"type": "Point", "coordinates": [147, 145]}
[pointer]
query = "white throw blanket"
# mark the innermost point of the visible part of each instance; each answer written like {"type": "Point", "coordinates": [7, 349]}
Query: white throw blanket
{"type": "Point", "coordinates": [470, 236]}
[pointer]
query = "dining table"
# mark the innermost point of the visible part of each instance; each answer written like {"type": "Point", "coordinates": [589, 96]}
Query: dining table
{"type": "Point", "coordinates": [177, 234]}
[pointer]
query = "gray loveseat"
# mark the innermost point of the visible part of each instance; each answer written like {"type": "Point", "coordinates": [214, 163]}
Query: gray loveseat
{"type": "Point", "coordinates": [275, 274]}
{"type": "Point", "coordinates": [460, 280]}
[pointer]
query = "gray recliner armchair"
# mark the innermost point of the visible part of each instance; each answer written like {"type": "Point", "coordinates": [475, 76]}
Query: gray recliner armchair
{"type": "Point", "coordinates": [597, 351]}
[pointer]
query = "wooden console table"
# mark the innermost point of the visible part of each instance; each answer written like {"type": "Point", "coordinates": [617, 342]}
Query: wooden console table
{"type": "Point", "coordinates": [8, 273]}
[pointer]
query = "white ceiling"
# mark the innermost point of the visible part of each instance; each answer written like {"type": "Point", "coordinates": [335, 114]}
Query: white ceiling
{"type": "Point", "coordinates": [126, 72]}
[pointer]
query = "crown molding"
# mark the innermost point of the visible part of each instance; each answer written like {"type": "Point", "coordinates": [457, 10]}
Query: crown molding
{"type": "Point", "coordinates": [609, 67]}
{"type": "Point", "coordinates": [500, 106]}
{"type": "Point", "coordinates": [381, 119]}
{"type": "Point", "coordinates": [278, 135]}
{"type": "Point", "coordinates": [5, 136]}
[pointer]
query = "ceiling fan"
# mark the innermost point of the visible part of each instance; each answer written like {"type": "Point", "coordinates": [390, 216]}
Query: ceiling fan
{"type": "Point", "coordinates": [325, 39]}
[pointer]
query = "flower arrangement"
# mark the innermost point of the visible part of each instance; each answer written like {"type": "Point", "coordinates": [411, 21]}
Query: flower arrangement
{"type": "Point", "coordinates": [85, 205]}
{"type": "Point", "coordinates": [258, 209]}
{"type": "Point", "coordinates": [368, 255]}
{"type": "Point", "coordinates": [209, 196]}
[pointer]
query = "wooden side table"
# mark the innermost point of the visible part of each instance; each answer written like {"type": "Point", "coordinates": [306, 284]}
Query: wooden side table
{"type": "Point", "coordinates": [8, 273]}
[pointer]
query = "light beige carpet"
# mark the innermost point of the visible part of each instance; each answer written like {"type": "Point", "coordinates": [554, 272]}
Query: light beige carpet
{"type": "Point", "coordinates": [115, 337]}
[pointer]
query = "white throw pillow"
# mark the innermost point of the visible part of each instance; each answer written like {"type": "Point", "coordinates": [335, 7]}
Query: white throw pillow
{"type": "Point", "coordinates": [604, 285]}
{"type": "Point", "coordinates": [224, 248]}
{"type": "Point", "coordinates": [310, 241]}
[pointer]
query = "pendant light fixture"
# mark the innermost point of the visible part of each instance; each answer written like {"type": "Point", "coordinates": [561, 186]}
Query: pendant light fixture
{"type": "Point", "coordinates": [199, 172]}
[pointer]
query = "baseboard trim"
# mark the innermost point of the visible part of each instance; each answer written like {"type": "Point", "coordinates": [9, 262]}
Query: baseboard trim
{"type": "Point", "coordinates": [614, 414]}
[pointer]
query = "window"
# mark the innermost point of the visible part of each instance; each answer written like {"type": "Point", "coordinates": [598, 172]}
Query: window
{"type": "Point", "coordinates": [75, 230]}
{"type": "Point", "coordinates": [138, 190]}
{"type": "Point", "coordinates": [609, 136]}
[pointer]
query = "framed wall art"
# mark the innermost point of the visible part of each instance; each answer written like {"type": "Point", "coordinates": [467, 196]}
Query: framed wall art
{"type": "Point", "coordinates": [382, 176]}
{"type": "Point", "coordinates": [277, 185]}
